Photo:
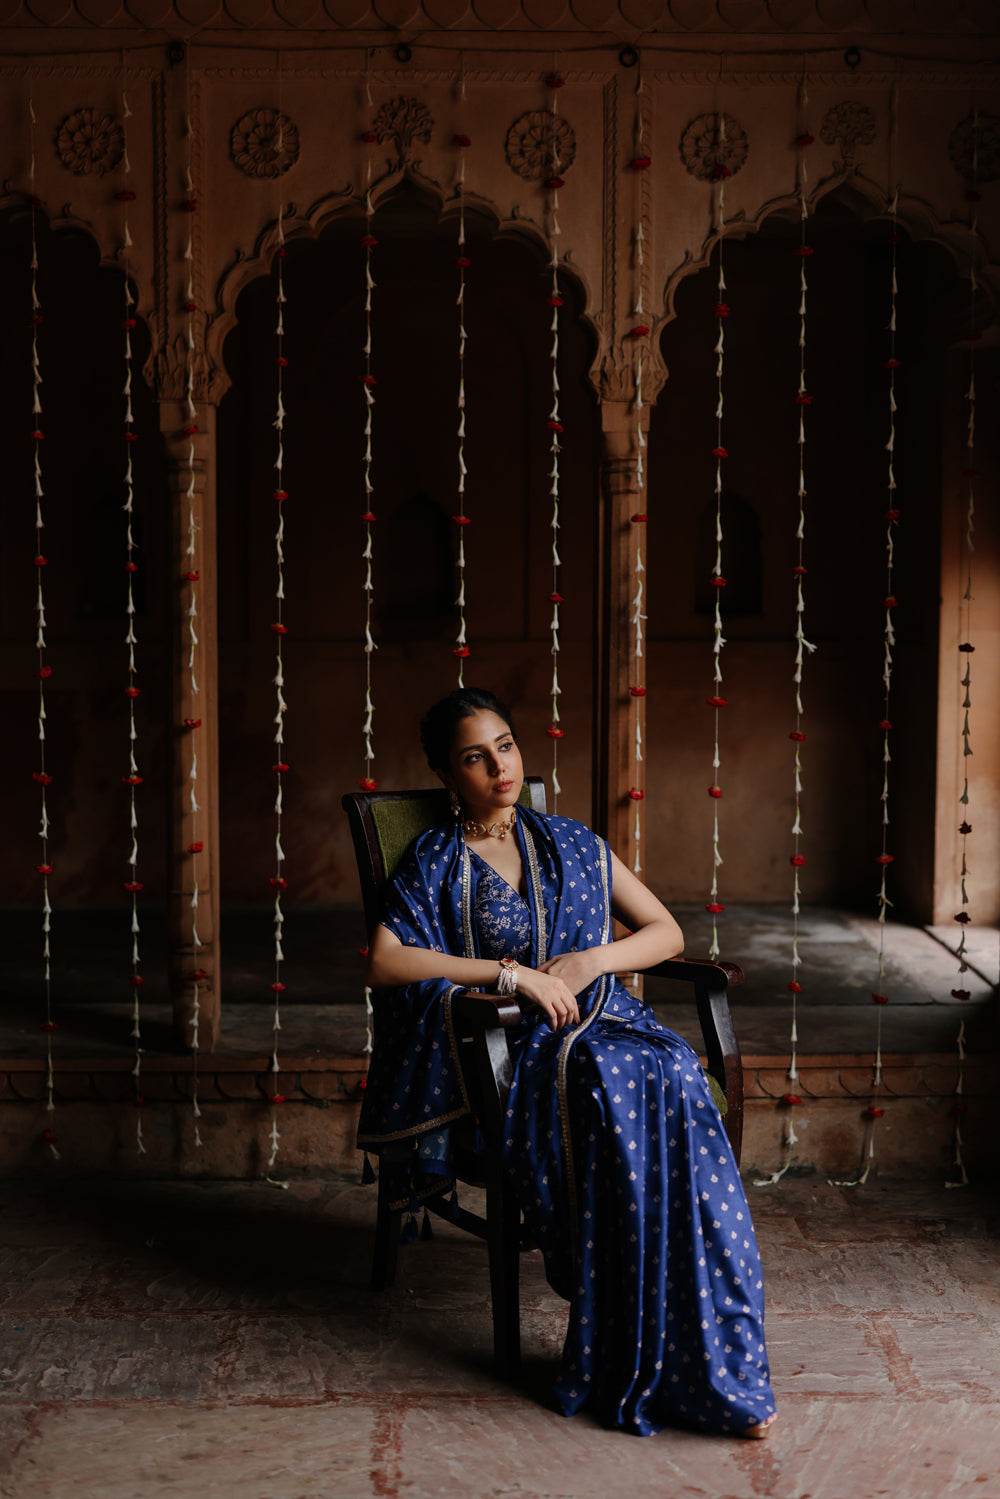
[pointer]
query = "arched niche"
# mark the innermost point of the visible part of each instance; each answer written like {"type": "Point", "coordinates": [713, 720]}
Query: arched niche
{"type": "Point", "coordinates": [414, 472]}
{"type": "Point", "coordinates": [83, 462]}
{"type": "Point", "coordinates": [846, 473]}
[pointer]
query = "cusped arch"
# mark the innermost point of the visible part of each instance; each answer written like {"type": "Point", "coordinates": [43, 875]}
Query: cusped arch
{"type": "Point", "coordinates": [868, 201]}
{"type": "Point", "coordinates": [248, 267]}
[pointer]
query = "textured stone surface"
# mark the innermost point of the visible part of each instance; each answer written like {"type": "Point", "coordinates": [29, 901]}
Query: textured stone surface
{"type": "Point", "coordinates": [207, 1340]}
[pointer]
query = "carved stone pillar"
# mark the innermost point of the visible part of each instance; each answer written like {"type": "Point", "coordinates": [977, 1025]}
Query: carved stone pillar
{"type": "Point", "coordinates": [617, 670]}
{"type": "Point", "coordinates": [193, 810]}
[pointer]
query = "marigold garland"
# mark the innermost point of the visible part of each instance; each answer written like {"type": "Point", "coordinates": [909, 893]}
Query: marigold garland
{"type": "Point", "coordinates": [279, 882]}
{"type": "Point", "coordinates": [133, 779]}
{"type": "Point", "coordinates": [714, 906]}
{"type": "Point", "coordinates": [638, 333]}
{"type": "Point", "coordinates": [966, 648]}
{"type": "Point", "coordinates": [41, 776]}
{"type": "Point", "coordinates": [367, 782]}
{"type": "Point", "coordinates": [803, 647]}
{"type": "Point", "coordinates": [190, 430]}
{"type": "Point", "coordinates": [555, 429]}
{"type": "Point", "coordinates": [462, 264]}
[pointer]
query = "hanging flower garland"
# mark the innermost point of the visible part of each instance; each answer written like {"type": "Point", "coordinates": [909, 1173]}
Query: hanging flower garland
{"type": "Point", "coordinates": [802, 646]}
{"type": "Point", "coordinates": [713, 906]}
{"type": "Point", "coordinates": [461, 647]}
{"type": "Point", "coordinates": [874, 1112]}
{"type": "Point", "coordinates": [638, 333]}
{"type": "Point", "coordinates": [367, 782]}
{"type": "Point", "coordinates": [133, 779]}
{"type": "Point", "coordinates": [554, 82]}
{"type": "Point", "coordinates": [41, 776]}
{"type": "Point", "coordinates": [279, 629]}
{"type": "Point", "coordinates": [191, 579]}
{"type": "Point", "coordinates": [969, 473]}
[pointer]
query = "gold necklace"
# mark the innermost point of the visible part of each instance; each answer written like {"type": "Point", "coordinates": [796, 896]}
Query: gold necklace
{"type": "Point", "coordinates": [497, 830]}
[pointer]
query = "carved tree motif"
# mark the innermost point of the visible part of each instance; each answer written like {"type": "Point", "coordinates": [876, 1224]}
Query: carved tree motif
{"type": "Point", "coordinates": [850, 126]}
{"type": "Point", "coordinates": [714, 145]}
{"type": "Point", "coordinates": [265, 143]}
{"type": "Point", "coordinates": [540, 144]}
{"type": "Point", "coordinates": [974, 147]}
{"type": "Point", "coordinates": [405, 122]}
{"type": "Point", "coordinates": [89, 143]}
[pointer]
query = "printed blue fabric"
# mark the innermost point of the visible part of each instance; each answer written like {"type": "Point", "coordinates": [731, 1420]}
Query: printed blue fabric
{"type": "Point", "coordinates": [617, 1152]}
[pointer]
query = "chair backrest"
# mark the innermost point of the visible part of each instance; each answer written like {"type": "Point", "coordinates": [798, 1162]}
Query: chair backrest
{"type": "Point", "coordinates": [385, 823]}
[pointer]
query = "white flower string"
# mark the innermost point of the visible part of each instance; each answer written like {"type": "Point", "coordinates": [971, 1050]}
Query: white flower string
{"type": "Point", "coordinates": [367, 782]}
{"type": "Point", "coordinates": [717, 701]}
{"type": "Point", "coordinates": [133, 779]}
{"type": "Point", "coordinates": [44, 671]}
{"type": "Point", "coordinates": [802, 647]}
{"type": "Point", "coordinates": [554, 83]}
{"type": "Point", "coordinates": [279, 630]}
{"type": "Point", "coordinates": [874, 1112]}
{"type": "Point", "coordinates": [969, 473]}
{"type": "Point", "coordinates": [461, 647]}
{"type": "Point", "coordinates": [638, 333]}
{"type": "Point", "coordinates": [191, 576]}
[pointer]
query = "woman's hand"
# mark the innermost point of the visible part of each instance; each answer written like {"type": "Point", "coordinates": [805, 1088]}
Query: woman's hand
{"type": "Point", "coordinates": [578, 970]}
{"type": "Point", "coordinates": [549, 993]}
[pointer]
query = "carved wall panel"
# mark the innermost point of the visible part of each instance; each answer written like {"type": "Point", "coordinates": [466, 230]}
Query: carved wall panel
{"type": "Point", "coordinates": [89, 143]}
{"type": "Point", "coordinates": [265, 143]}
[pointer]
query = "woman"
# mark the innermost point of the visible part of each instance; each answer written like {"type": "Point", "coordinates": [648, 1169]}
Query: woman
{"type": "Point", "coordinates": [618, 1155]}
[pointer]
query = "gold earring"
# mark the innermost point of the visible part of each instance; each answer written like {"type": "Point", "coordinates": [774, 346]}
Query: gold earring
{"type": "Point", "coordinates": [454, 804]}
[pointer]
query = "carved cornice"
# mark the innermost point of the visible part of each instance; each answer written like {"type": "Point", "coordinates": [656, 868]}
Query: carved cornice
{"type": "Point", "coordinates": [860, 21]}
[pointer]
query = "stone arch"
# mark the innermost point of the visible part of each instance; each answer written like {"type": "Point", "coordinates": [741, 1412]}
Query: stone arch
{"type": "Point", "coordinates": [846, 475]}
{"type": "Point", "coordinates": [508, 541]}
{"type": "Point", "coordinates": [346, 203]}
{"type": "Point", "coordinates": [867, 200]}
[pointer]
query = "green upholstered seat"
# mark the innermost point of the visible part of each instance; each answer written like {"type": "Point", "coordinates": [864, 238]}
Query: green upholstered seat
{"type": "Point", "coordinates": [400, 819]}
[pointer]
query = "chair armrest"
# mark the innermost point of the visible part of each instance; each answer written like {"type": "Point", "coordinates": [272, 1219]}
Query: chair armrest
{"type": "Point", "coordinates": [485, 1011]}
{"type": "Point", "coordinates": [482, 1021]}
{"type": "Point", "coordinates": [693, 969]}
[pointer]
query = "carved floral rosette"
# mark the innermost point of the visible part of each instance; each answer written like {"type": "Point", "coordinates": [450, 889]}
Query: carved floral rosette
{"type": "Point", "coordinates": [540, 144]}
{"type": "Point", "coordinates": [90, 143]}
{"type": "Point", "coordinates": [974, 147]}
{"type": "Point", "coordinates": [850, 126]}
{"type": "Point", "coordinates": [712, 142]}
{"type": "Point", "coordinates": [265, 143]}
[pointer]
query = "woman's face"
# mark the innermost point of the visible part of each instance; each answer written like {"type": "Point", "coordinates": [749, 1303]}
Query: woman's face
{"type": "Point", "coordinates": [486, 769]}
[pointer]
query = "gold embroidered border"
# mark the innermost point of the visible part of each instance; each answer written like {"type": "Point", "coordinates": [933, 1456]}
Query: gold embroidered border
{"type": "Point", "coordinates": [605, 984]}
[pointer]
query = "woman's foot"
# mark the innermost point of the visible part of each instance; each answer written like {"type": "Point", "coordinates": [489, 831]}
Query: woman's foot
{"type": "Point", "coordinates": [761, 1430]}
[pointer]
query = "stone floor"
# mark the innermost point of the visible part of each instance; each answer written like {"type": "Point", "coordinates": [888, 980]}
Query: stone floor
{"type": "Point", "coordinates": [218, 1341]}
{"type": "Point", "coordinates": [323, 1012]}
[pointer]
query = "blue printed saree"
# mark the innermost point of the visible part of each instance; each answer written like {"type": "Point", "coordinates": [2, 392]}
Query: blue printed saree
{"type": "Point", "coordinates": [616, 1149]}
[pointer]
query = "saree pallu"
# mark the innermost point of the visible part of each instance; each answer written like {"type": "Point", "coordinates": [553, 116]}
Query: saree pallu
{"type": "Point", "coordinates": [617, 1152]}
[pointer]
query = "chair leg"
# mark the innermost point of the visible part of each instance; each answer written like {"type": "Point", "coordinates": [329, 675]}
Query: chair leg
{"type": "Point", "coordinates": [503, 1221]}
{"type": "Point", "coordinates": [388, 1224]}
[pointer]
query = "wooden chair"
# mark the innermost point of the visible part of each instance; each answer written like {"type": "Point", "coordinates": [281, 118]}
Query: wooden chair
{"type": "Point", "coordinates": [383, 825]}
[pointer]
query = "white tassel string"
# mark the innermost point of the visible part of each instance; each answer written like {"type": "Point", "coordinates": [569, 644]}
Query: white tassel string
{"type": "Point", "coordinates": [44, 671]}
{"type": "Point", "coordinates": [461, 647]}
{"type": "Point", "coordinates": [714, 905]}
{"type": "Point", "coordinates": [966, 648]}
{"type": "Point", "coordinates": [132, 779]}
{"type": "Point", "coordinates": [555, 429]}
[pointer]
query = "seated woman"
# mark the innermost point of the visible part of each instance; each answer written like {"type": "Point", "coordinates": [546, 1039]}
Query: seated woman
{"type": "Point", "coordinates": [618, 1154]}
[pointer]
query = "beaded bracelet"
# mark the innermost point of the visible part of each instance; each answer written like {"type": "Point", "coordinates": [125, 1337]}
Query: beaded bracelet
{"type": "Point", "coordinates": [507, 982]}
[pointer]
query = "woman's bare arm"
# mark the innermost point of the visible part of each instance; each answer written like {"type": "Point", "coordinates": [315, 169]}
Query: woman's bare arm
{"type": "Point", "coordinates": [654, 936]}
{"type": "Point", "coordinates": [392, 963]}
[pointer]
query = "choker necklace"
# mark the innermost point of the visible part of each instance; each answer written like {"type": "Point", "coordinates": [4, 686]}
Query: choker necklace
{"type": "Point", "coordinates": [497, 830]}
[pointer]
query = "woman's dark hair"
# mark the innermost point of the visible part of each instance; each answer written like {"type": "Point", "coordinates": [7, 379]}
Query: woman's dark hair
{"type": "Point", "coordinates": [437, 729]}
